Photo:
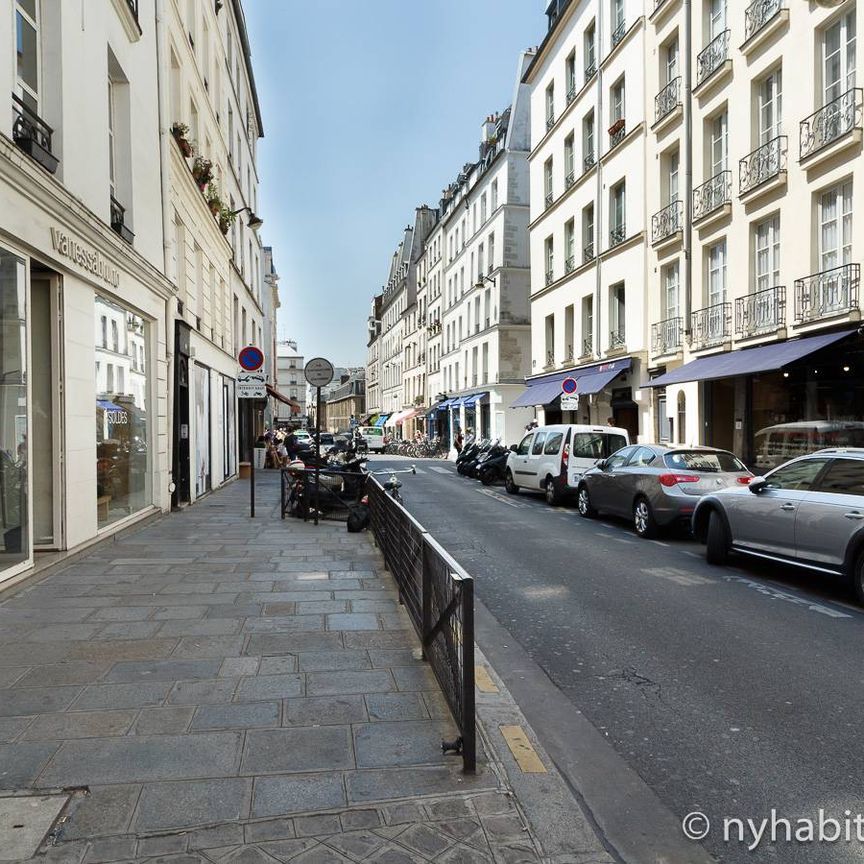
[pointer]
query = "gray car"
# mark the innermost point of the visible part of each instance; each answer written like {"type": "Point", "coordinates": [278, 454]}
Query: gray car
{"type": "Point", "coordinates": [808, 512]}
{"type": "Point", "coordinates": [656, 484]}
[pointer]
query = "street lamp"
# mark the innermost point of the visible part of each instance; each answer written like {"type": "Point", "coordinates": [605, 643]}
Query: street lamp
{"type": "Point", "coordinates": [254, 221]}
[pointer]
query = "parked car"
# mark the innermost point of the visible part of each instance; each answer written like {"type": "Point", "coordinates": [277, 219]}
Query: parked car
{"type": "Point", "coordinates": [552, 459]}
{"type": "Point", "coordinates": [374, 437]}
{"type": "Point", "coordinates": [808, 512]}
{"type": "Point", "coordinates": [656, 485]}
{"type": "Point", "coordinates": [775, 445]}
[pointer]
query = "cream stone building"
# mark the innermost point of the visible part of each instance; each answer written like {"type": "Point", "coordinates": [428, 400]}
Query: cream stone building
{"type": "Point", "coordinates": [429, 298]}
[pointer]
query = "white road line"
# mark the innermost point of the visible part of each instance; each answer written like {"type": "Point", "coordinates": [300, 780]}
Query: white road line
{"type": "Point", "coordinates": [419, 471]}
{"type": "Point", "coordinates": [691, 554]}
{"type": "Point", "coordinates": [489, 493]}
{"type": "Point", "coordinates": [623, 540]}
{"type": "Point", "coordinates": [659, 543]}
{"type": "Point", "coordinates": [774, 594]}
{"type": "Point", "coordinates": [438, 470]}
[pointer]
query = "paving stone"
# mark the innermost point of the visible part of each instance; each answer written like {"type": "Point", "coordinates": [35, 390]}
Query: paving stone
{"type": "Point", "coordinates": [297, 794]}
{"type": "Point", "coordinates": [237, 667]}
{"type": "Point", "coordinates": [174, 613]}
{"type": "Point", "coordinates": [79, 724]}
{"type": "Point", "coordinates": [403, 814]}
{"type": "Point", "coordinates": [36, 700]}
{"type": "Point", "coordinates": [194, 647]}
{"type": "Point", "coordinates": [436, 705]}
{"type": "Point", "coordinates": [59, 674]}
{"type": "Point", "coordinates": [128, 630]}
{"type": "Point", "coordinates": [248, 610]}
{"type": "Point", "coordinates": [374, 606]}
{"type": "Point", "coordinates": [288, 850]}
{"type": "Point", "coordinates": [450, 808]}
{"type": "Point", "coordinates": [236, 716]}
{"type": "Point", "coordinates": [110, 849]}
{"type": "Point", "coordinates": [412, 678]}
{"type": "Point", "coordinates": [381, 639]}
{"type": "Point", "coordinates": [162, 670]}
{"type": "Point", "coordinates": [339, 683]}
{"type": "Point", "coordinates": [206, 627]}
{"type": "Point", "coordinates": [357, 844]}
{"type": "Point", "coordinates": [324, 710]}
{"type": "Point", "coordinates": [326, 748]}
{"type": "Point", "coordinates": [137, 649]}
{"type": "Point", "coordinates": [164, 721]}
{"type": "Point", "coordinates": [382, 657]}
{"type": "Point", "coordinates": [106, 696]}
{"type": "Point", "coordinates": [20, 764]}
{"type": "Point", "coordinates": [394, 855]}
{"type": "Point", "coordinates": [425, 840]}
{"type": "Point", "coordinates": [10, 674]}
{"type": "Point", "coordinates": [325, 661]}
{"type": "Point", "coordinates": [411, 742]}
{"type": "Point", "coordinates": [366, 786]}
{"type": "Point", "coordinates": [290, 624]}
{"type": "Point", "coordinates": [62, 632]}
{"type": "Point", "coordinates": [228, 834]}
{"type": "Point", "coordinates": [246, 855]}
{"type": "Point", "coordinates": [159, 757]}
{"type": "Point", "coordinates": [167, 844]}
{"type": "Point", "coordinates": [196, 802]}
{"type": "Point", "coordinates": [278, 665]}
{"type": "Point", "coordinates": [396, 706]}
{"type": "Point", "coordinates": [272, 599]}
{"type": "Point", "coordinates": [353, 621]}
{"type": "Point", "coordinates": [466, 830]}
{"type": "Point", "coordinates": [354, 819]}
{"type": "Point", "coordinates": [121, 613]}
{"type": "Point", "coordinates": [503, 827]}
{"type": "Point", "coordinates": [317, 826]}
{"type": "Point", "coordinates": [277, 610]}
{"type": "Point", "coordinates": [200, 586]}
{"type": "Point", "coordinates": [64, 853]}
{"type": "Point", "coordinates": [461, 854]}
{"type": "Point", "coordinates": [269, 687]}
{"type": "Point", "coordinates": [322, 607]}
{"type": "Point", "coordinates": [271, 829]}
{"type": "Point", "coordinates": [12, 727]}
{"type": "Point", "coordinates": [202, 692]}
{"type": "Point", "coordinates": [515, 853]}
{"type": "Point", "coordinates": [106, 810]}
{"type": "Point", "coordinates": [492, 803]}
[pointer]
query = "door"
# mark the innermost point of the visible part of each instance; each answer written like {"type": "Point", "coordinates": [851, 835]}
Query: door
{"type": "Point", "coordinates": [765, 521]}
{"type": "Point", "coordinates": [605, 482]}
{"type": "Point", "coordinates": [181, 463]}
{"type": "Point", "coordinates": [830, 517]}
{"type": "Point", "coordinates": [534, 463]}
{"type": "Point", "coordinates": [631, 479]}
{"type": "Point", "coordinates": [519, 460]}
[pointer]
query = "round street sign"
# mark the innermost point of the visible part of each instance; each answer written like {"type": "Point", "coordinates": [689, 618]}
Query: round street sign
{"type": "Point", "coordinates": [251, 358]}
{"type": "Point", "coordinates": [319, 372]}
{"type": "Point", "coordinates": [569, 386]}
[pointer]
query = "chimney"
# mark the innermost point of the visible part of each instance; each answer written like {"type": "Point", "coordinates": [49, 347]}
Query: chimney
{"type": "Point", "coordinates": [487, 130]}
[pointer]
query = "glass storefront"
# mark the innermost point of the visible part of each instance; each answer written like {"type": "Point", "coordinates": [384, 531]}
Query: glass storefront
{"type": "Point", "coordinates": [202, 430]}
{"type": "Point", "coordinates": [14, 510]}
{"type": "Point", "coordinates": [122, 424]}
{"type": "Point", "coordinates": [229, 460]}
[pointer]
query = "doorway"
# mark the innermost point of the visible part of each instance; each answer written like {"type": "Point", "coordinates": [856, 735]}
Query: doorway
{"type": "Point", "coordinates": [181, 462]}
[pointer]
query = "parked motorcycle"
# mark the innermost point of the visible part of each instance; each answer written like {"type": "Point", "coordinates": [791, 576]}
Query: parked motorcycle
{"type": "Point", "coordinates": [469, 453]}
{"type": "Point", "coordinates": [492, 469]}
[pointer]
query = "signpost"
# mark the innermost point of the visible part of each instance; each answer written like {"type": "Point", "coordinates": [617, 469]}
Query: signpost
{"type": "Point", "coordinates": [251, 384]}
{"type": "Point", "coordinates": [569, 394]}
{"type": "Point", "coordinates": [318, 373]}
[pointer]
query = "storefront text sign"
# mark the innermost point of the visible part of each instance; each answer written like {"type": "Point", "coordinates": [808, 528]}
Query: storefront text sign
{"type": "Point", "coordinates": [89, 259]}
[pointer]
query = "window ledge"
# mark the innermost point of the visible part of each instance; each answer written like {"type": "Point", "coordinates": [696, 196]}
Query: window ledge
{"type": "Point", "coordinates": [662, 10]}
{"type": "Point", "coordinates": [668, 120]}
{"type": "Point", "coordinates": [718, 214]}
{"type": "Point", "coordinates": [715, 80]}
{"type": "Point", "coordinates": [851, 139]}
{"type": "Point", "coordinates": [128, 19]}
{"type": "Point", "coordinates": [766, 33]}
{"type": "Point", "coordinates": [772, 184]}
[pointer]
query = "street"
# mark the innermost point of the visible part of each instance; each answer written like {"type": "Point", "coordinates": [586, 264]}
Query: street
{"type": "Point", "coordinates": [729, 691]}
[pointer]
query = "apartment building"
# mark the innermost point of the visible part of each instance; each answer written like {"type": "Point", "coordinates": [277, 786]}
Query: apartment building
{"type": "Point", "coordinates": [753, 173]}
{"type": "Point", "coordinates": [429, 298]}
{"type": "Point", "coordinates": [587, 229]}
{"type": "Point", "coordinates": [270, 306]}
{"type": "Point", "coordinates": [291, 383]}
{"type": "Point", "coordinates": [373, 348]}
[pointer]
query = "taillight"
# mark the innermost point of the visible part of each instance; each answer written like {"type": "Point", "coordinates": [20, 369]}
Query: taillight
{"type": "Point", "coordinates": [565, 457]}
{"type": "Point", "coordinates": [669, 480]}
{"type": "Point", "coordinates": [745, 481]}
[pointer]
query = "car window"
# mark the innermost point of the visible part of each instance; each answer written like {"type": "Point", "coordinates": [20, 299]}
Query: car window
{"type": "Point", "coordinates": [525, 445]}
{"type": "Point", "coordinates": [703, 460]}
{"type": "Point", "coordinates": [799, 475]}
{"type": "Point", "coordinates": [553, 443]}
{"type": "Point", "coordinates": [589, 445]}
{"type": "Point", "coordinates": [616, 460]}
{"type": "Point", "coordinates": [539, 438]}
{"type": "Point", "coordinates": [642, 456]}
{"type": "Point", "coordinates": [612, 443]}
{"type": "Point", "coordinates": [844, 477]}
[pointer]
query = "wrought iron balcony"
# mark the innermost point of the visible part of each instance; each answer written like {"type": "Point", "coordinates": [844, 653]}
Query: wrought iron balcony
{"type": "Point", "coordinates": [760, 312]}
{"type": "Point", "coordinates": [587, 345]}
{"type": "Point", "coordinates": [571, 92]}
{"type": "Point", "coordinates": [666, 336]}
{"type": "Point", "coordinates": [548, 199]}
{"type": "Point", "coordinates": [667, 222]}
{"type": "Point", "coordinates": [712, 57]}
{"type": "Point", "coordinates": [588, 162]}
{"type": "Point", "coordinates": [568, 357]}
{"type": "Point", "coordinates": [668, 99]}
{"type": "Point", "coordinates": [710, 326]}
{"type": "Point", "coordinates": [763, 164]}
{"type": "Point", "coordinates": [712, 194]}
{"type": "Point", "coordinates": [570, 264]}
{"type": "Point", "coordinates": [33, 135]}
{"type": "Point", "coordinates": [588, 253]}
{"type": "Point", "coordinates": [550, 121]}
{"type": "Point", "coordinates": [118, 220]}
{"type": "Point", "coordinates": [831, 122]}
{"type": "Point", "coordinates": [758, 14]}
{"type": "Point", "coordinates": [617, 131]}
{"type": "Point", "coordinates": [618, 33]}
{"type": "Point", "coordinates": [570, 179]}
{"type": "Point", "coordinates": [550, 359]}
{"type": "Point", "coordinates": [617, 338]}
{"type": "Point", "coordinates": [550, 277]}
{"type": "Point", "coordinates": [617, 233]}
{"type": "Point", "coordinates": [831, 292]}
{"type": "Point", "coordinates": [590, 70]}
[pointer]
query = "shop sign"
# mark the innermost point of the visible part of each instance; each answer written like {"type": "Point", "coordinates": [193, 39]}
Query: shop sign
{"type": "Point", "coordinates": [90, 260]}
{"type": "Point", "coordinates": [117, 418]}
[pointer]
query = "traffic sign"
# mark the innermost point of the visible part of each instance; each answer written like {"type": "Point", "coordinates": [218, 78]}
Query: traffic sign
{"type": "Point", "coordinates": [319, 372]}
{"type": "Point", "coordinates": [251, 385]}
{"type": "Point", "coordinates": [251, 358]}
{"type": "Point", "coordinates": [569, 386]}
{"type": "Point", "coordinates": [569, 401]}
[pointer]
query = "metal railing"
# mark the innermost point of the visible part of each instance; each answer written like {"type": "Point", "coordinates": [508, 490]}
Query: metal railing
{"type": "Point", "coordinates": [668, 99]}
{"type": "Point", "coordinates": [667, 222]}
{"type": "Point", "coordinates": [760, 312]}
{"type": "Point", "coordinates": [710, 325]}
{"type": "Point", "coordinates": [587, 346]}
{"type": "Point", "coordinates": [570, 264]}
{"type": "Point", "coordinates": [550, 121]}
{"type": "Point", "coordinates": [550, 359]}
{"type": "Point", "coordinates": [758, 14]}
{"type": "Point", "coordinates": [570, 179]}
{"type": "Point", "coordinates": [571, 92]}
{"type": "Point", "coordinates": [617, 233]}
{"type": "Point", "coordinates": [763, 164]}
{"type": "Point", "coordinates": [666, 336]}
{"type": "Point", "coordinates": [588, 162]}
{"type": "Point", "coordinates": [588, 253]}
{"type": "Point", "coordinates": [619, 33]}
{"type": "Point", "coordinates": [712, 56]}
{"type": "Point", "coordinates": [32, 134]}
{"type": "Point", "coordinates": [337, 492]}
{"type": "Point", "coordinates": [439, 597]}
{"type": "Point", "coordinates": [550, 277]}
{"type": "Point", "coordinates": [617, 338]}
{"type": "Point", "coordinates": [547, 200]}
{"type": "Point", "coordinates": [831, 122]}
{"type": "Point", "coordinates": [617, 136]}
{"type": "Point", "coordinates": [712, 194]}
{"type": "Point", "coordinates": [830, 292]}
{"type": "Point", "coordinates": [590, 70]}
{"type": "Point", "coordinates": [118, 220]}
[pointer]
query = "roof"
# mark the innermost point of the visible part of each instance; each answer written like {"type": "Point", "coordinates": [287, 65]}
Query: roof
{"type": "Point", "coordinates": [237, 5]}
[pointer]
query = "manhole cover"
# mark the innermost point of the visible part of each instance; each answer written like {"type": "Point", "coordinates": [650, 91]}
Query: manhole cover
{"type": "Point", "coordinates": [24, 822]}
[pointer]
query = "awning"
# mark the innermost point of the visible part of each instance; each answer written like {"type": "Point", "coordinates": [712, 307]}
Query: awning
{"type": "Point", "coordinates": [407, 415]}
{"type": "Point", "coordinates": [762, 358]}
{"type": "Point", "coordinates": [592, 379]}
{"type": "Point", "coordinates": [382, 420]}
{"type": "Point", "coordinates": [281, 397]}
{"type": "Point", "coordinates": [449, 403]}
{"type": "Point", "coordinates": [433, 409]}
{"type": "Point", "coordinates": [370, 420]}
{"type": "Point", "coordinates": [470, 401]}
{"type": "Point", "coordinates": [105, 405]}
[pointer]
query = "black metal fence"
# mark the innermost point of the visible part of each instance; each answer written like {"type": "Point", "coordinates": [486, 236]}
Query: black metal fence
{"type": "Point", "coordinates": [338, 491]}
{"type": "Point", "coordinates": [439, 597]}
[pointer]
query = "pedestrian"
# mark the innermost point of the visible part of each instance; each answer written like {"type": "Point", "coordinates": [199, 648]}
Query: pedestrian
{"type": "Point", "coordinates": [610, 421]}
{"type": "Point", "coordinates": [457, 440]}
{"type": "Point", "coordinates": [290, 444]}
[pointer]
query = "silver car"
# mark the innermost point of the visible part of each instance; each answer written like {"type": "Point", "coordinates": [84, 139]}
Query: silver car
{"type": "Point", "coordinates": [657, 485]}
{"type": "Point", "coordinates": [808, 512]}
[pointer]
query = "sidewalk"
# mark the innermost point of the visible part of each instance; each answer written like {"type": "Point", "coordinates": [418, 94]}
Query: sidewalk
{"type": "Point", "coordinates": [215, 688]}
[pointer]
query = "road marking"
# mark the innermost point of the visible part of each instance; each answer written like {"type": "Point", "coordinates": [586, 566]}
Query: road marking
{"type": "Point", "coordinates": [691, 554]}
{"type": "Point", "coordinates": [419, 471]}
{"type": "Point", "coordinates": [525, 755]}
{"type": "Point", "coordinates": [659, 543]}
{"type": "Point", "coordinates": [484, 681]}
{"type": "Point", "coordinates": [776, 594]}
{"type": "Point", "coordinates": [501, 498]}
{"type": "Point", "coordinates": [438, 470]}
{"type": "Point", "coordinates": [623, 540]}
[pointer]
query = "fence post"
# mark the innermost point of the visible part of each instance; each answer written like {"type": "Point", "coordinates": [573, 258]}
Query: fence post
{"type": "Point", "coordinates": [426, 598]}
{"type": "Point", "coordinates": [469, 734]}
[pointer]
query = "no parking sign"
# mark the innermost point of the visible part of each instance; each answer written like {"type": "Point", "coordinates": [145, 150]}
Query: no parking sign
{"type": "Point", "coordinates": [569, 394]}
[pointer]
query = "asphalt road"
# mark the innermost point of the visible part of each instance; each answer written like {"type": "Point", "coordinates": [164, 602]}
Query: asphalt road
{"type": "Point", "coordinates": [729, 691]}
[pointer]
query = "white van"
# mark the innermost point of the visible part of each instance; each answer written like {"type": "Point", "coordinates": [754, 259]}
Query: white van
{"type": "Point", "coordinates": [374, 436]}
{"type": "Point", "coordinates": [552, 459]}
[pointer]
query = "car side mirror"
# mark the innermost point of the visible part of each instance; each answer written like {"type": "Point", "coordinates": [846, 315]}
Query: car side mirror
{"type": "Point", "coordinates": [514, 448]}
{"type": "Point", "coordinates": [601, 464]}
{"type": "Point", "coordinates": [757, 485]}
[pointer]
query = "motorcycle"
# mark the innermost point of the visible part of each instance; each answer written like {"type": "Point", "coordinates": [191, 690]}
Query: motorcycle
{"type": "Point", "coordinates": [492, 469]}
{"type": "Point", "coordinates": [469, 452]}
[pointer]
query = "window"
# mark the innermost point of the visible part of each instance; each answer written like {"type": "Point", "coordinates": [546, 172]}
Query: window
{"type": "Point", "coordinates": [716, 18]}
{"type": "Point", "coordinates": [494, 195]}
{"type": "Point", "coordinates": [682, 416]}
{"type": "Point", "coordinates": [570, 75]}
{"type": "Point", "coordinates": [28, 54]}
{"type": "Point", "coordinates": [480, 262]}
{"type": "Point", "coordinates": [112, 179]}
{"type": "Point", "coordinates": [770, 107]}
{"type": "Point", "coordinates": [588, 231]}
{"type": "Point", "coordinates": [194, 128]}
{"type": "Point", "coordinates": [835, 227]}
{"type": "Point", "coordinates": [643, 456]}
{"type": "Point", "coordinates": [587, 323]}
{"type": "Point", "coordinates": [617, 100]}
{"type": "Point", "coordinates": [671, 190]}
{"type": "Point", "coordinates": [570, 244]}
{"type": "Point", "coordinates": [104, 325]}
{"type": "Point", "coordinates": [588, 140]}
{"type": "Point", "coordinates": [525, 445]}
{"type": "Point", "coordinates": [617, 9]}
{"type": "Point", "coordinates": [717, 273]}
{"type": "Point", "coordinates": [549, 257]}
{"type": "Point", "coordinates": [798, 475]}
{"type": "Point", "coordinates": [719, 143]}
{"type": "Point", "coordinates": [619, 459]}
{"type": "Point", "coordinates": [190, 20]}
{"type": "Point", "coordinates": [617, 314]}
{"type": "Point", "coordinates": [550, 105]}
{"type": "Point", "coordinates": [569, 316]}
{"type": "Point", "coordinates": [672, 60]}
{"type": "Point", "coordinates": [617, 215]}
{"type": "Point", "coordinates": [569, 167]}
{"type": "Point", "coordinates": [588, 45]}
{"type": "Point", "coordinates": [844, 477]}
{"type": "Point", "coordinates": [547, 181]}
{"type": "Point", "coordinates": [553, 443]}
{"type": "Point", "coordinates": [115, 337]}
{"type": "Point", "coordinates": [767, 254]}
{"type": "Point", "coordinates": [483, 214]}
{"type": "Point", "coordinates": [670, 291]}
{"type": "Point", "coordinates": [550, 340]}
{"type": "Point", "coordinates": [838, 53]}
{"type": "Point", "coordinates": [539, 440]}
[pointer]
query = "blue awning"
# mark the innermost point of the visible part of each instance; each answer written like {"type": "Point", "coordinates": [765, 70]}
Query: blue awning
{"type": "Point", "coordinates": [470, 401]}
{"type": "Point", "coordinates": [381, 420]}
{"type": "Point", "coordinates": [763, 358]}
{"type": "Point", "coordinates": [105, 405]}
{"type": "Point", "coordinates": [448, 403]}
{"type": "Point", "coordinates": [592, 379]}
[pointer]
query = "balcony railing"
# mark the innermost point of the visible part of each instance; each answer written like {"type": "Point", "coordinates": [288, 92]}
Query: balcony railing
{"type": "Point", "coordinates": [550, 359]}
{"type": "Point", "coordinates": [570, 264]}
{"type": "Point", "coordinates": [547, 200]}
{"type": "Point", "coordinates": [712, 57]}
{"type": "Point", "coordinates": [712, 194]}
{"type": "Point", "coordinates": [831, 292]}
{"type": "Point", "coordinates": [550, 277]}
{"type": "Point", "coordinates": [710, 326]}
{"type": "Point", "coordinates": [760, 312]}
{"type": "Point", "coordinates": [763, 164]}
{"type": "Point", "coordinates": [588, 162]}
{"type": "Point", "coordinates": [831, 122]}
{"type": "Point", "coordinates": [550, 121]}
{"type": "Point", "coordinates": [618, 33]}
{"type": "Point", "coordinates": [617, 131]}
{"type": "Point", "coordinates": [617, 233]}
{"type": "Point", "coordinates": [668, 99]}
{"type": "Point", "coordinates": [666, 336]}
{"type": "Point", "coordinates": [588, 253]}
{"type": "Point", "coordinates": [118, 220]}
{"type": "Point", "coordinates": [590, 69]}
{"type": "Point", "coordinates": [617, 338]}
{"type": "Point", "coordinates": [667, 222]}
{"type": "Point", "coordinates": [571, 92]}
{"type": "Point", "coordinates": [568, 357]}
{"type": "Point", "coordinates": [570, 179]}
{"type": "Point", "coordinates": [758, 14]}
{"type": "Point", "coordinates": [587, 345]}
{"type": "Point", "coordinates": [33, 135]}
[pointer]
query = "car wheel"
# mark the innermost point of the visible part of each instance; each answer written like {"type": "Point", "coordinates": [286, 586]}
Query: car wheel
{"type": "Point", "coordinates": [553, 496]}
{"type": "Point", "coordinates": [509, 485]}
{"type": "Point", "coordinates": [643, 519]}
{"type": "Point", "coordinates": [716, 540]}
{"type": "Point", "coordinates": [583, 501]}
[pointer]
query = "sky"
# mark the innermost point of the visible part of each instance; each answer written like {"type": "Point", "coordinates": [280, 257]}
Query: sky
{"type": "Point", "coordinates": [370, 108]}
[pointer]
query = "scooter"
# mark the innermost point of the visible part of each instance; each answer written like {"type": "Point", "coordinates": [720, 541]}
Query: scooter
{"type": "Point", "coordinates": [468, 454]}
{"type": "Point", "coordinates": [492, 469]}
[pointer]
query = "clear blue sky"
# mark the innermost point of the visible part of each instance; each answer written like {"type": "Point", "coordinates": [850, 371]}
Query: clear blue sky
{"type": "Point", "coordinates": [370, 108]}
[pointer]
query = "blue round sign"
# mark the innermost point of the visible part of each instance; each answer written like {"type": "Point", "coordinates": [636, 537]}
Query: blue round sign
{"type": "Point", "coordinates": [251, 358]}
{"type": "Point", "coordinates": [569, 386]}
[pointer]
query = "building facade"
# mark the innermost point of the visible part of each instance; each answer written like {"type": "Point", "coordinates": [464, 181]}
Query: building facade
{"type": "Point", "coordinates": [290, 382]}
{"type": "Point", "coordinates": [346, 403]}
{"type": "Point", "coordinates": [429, 297]}
{"type": "Point", "coordinates": [270, 305]}
{"type": "Point", "coordinates": [373, 348]}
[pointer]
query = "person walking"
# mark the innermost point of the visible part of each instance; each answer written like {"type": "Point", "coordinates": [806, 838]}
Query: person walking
{"type": "Point", "coordinates": [457, 441]}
